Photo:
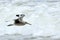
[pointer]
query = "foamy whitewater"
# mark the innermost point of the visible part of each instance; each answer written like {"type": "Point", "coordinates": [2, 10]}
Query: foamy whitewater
{"type": "Point", "coordinates": [44, 15]}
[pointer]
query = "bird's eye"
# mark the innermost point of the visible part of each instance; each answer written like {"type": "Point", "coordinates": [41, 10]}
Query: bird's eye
{"type": "Point", "coordinates": [17, 15]}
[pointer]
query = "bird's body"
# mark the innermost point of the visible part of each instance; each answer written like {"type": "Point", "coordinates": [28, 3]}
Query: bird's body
{"type": "Point", "coordinates": [17, 22]}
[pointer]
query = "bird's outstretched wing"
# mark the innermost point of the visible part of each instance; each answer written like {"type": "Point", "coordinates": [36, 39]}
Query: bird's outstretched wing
{"type": "Point", "coordinates": [10, 25]}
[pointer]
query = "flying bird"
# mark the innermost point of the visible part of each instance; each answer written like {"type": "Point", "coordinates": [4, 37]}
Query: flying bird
{"type": "Point", "coordinates": [19, 21]}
